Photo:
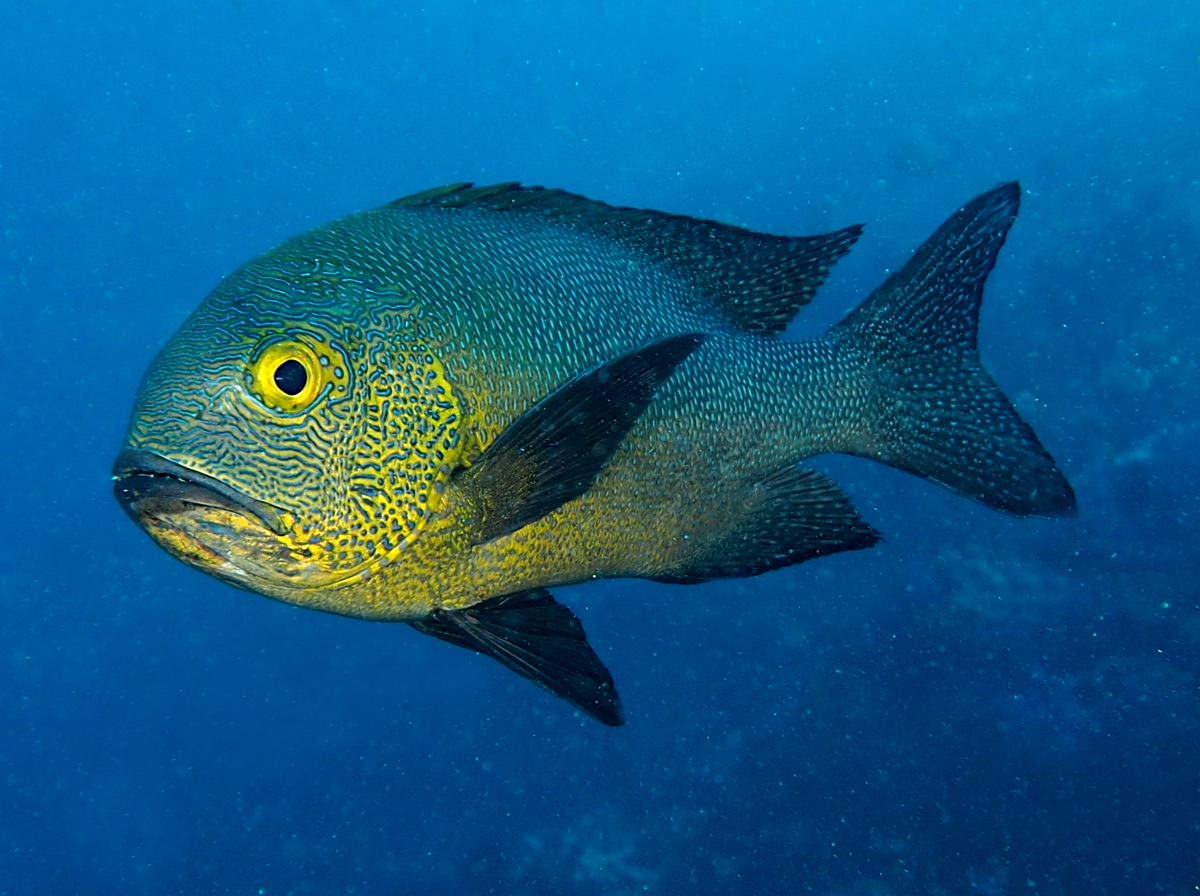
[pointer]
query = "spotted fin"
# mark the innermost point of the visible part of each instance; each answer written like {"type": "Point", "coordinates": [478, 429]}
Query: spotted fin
{"type": "Point", "coordinates": [553, 452]}
{"type": "Point", "coordinates": [790, 516]}
{"type": "Point", "coordinates": [758, 280]}
{"type": "Point", "coordinates": [539, 639]}
{"type": "Point", "coordinates": [938, 413]}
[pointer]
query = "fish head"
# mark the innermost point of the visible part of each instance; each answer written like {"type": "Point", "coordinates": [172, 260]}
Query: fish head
{"type": "Point", "coordinates": [292, 435]}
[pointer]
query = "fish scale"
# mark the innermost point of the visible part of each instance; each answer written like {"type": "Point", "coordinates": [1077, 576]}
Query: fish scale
{"type": "Point", "coordinates": [436, 410]}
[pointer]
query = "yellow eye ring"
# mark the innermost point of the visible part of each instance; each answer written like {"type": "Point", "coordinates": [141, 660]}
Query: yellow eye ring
{"type": "Point", "coordinates": [287, 376]}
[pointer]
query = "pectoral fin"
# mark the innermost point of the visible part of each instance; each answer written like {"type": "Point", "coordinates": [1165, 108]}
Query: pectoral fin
{"type": "Point", "coordinates": [539, 639]}
{"type": "Point", "coordinates": [553, 452]}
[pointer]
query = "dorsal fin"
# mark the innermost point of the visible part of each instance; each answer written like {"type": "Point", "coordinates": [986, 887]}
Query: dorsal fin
{"type": "Point", "coordinates": [758, 280]}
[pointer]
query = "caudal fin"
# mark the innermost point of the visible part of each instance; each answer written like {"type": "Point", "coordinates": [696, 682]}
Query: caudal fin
{"type": "Point", "coordinates": [935, 411]}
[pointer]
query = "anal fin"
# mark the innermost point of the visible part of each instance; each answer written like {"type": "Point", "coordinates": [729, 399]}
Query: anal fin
{"type": "Point", "coordinates": [790, 516]}
{"type": "Point", "coordinates": [539, 639]}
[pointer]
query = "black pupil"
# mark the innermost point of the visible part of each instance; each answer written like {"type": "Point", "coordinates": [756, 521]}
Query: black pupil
{"type": "Point", "coordinates": [291, 377]}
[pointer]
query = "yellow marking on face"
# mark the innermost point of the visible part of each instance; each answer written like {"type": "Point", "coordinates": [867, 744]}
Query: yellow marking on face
{"type": "Point", "coordinates": [405, 442]}
{"type": "Point", "coordinates": [352, 430]}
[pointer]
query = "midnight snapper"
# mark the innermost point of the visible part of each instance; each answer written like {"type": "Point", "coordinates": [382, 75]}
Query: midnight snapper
{"type": "Point", "coordinates": [436, 410]}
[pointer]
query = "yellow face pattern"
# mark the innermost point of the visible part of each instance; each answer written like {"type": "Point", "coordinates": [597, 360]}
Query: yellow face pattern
{"type": "Point", "coordinates": [349, 427]}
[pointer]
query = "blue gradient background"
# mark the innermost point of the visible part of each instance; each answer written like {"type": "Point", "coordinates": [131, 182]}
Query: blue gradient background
{"type": "Point", "coordinates": [978, 705]}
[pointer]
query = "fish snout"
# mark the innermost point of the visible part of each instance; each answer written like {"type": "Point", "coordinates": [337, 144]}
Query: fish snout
{"type": "Point", "coordinates": [148, 486]}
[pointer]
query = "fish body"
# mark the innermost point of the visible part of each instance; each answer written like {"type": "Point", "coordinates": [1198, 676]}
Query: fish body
{"type": "Point", "coordinates": [436, 410]}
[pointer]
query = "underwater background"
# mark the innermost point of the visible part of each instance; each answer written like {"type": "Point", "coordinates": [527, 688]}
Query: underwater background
{"type": "Point", "coordinates": [980, 704]}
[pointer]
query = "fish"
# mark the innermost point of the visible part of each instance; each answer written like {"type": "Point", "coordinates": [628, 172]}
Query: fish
{"type": "Point", "coordinates": [438, 410]}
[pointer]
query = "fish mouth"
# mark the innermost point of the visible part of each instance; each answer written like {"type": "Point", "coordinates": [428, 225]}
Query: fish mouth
{"type": "Point", "coordinates": [147, 485]}
{"type": "Point", "coordinates": [218, 529]}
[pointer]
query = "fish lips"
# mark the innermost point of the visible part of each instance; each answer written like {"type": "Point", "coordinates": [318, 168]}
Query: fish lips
{"type": "Point", "coordinates": [148, 485]}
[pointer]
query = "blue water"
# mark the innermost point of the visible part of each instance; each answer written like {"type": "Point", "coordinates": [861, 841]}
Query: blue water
{"type": "Point", "coordinates": [980, 704]}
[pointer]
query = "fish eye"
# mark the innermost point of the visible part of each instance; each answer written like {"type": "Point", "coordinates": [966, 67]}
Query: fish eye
{"type": "Point", "coordinates": [291, 377]}
{"type": "Point", "coordinates": [286, 376]}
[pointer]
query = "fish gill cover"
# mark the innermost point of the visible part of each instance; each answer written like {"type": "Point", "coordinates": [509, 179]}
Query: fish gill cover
{"type": "Point", "coordinates": [977, 704]}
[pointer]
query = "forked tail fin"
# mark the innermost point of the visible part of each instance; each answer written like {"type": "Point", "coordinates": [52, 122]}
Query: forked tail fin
{"type": "Point", "coordinates": [935, 411]}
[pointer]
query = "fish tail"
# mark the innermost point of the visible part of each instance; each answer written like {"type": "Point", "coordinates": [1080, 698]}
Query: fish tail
{"type": "Point", "coordinates": [933, 408]}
